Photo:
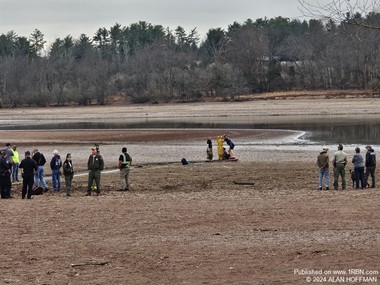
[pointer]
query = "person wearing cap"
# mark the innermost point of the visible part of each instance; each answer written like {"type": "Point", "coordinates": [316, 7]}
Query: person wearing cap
{"type": "Point", "coordinates": [15, 163]}
{"type": "Point", "coordinates": [324, 170]}
{"type": "Point", "coordinates": [39, 174]}
{"type": "Point", "coordinates": [339, 161]}
{"type": "Point", "coordinates": [29, 167]}
{"type": "Point", "coordinates": [370, 165]}
{"type": "Point", "coordinates": [95, 165]}
{"type": "Point", "coordinates": [68, 172]}
{"type": "Point", "coordinates": [358, 162]}
{"type": "Point", "coordinates": [125, 162]}
{"type": "Point", "coordinates": [5, 174]}
{"type": "Point", "coordinates": [8, 150]}
{"type": "Point", "coordinates": [55, 166]}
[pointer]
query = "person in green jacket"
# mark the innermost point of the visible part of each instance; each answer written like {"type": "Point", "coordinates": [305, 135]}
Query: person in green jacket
{"type": "Point", "coordinates": [339, 162]}
{"type": "Point", "coordinates": [95, 165]}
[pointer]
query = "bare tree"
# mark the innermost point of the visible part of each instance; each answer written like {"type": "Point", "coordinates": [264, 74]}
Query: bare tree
{"type": "Point", "coordinates": [246, 51]}
{"type": "Point", "coordinates": [359, 52]}
{"type": "Point", "coordinates": [340, 11]}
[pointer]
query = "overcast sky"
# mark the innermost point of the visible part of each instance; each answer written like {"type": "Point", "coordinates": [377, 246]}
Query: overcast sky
{"type": "Point", "coordinates": [58, 18]}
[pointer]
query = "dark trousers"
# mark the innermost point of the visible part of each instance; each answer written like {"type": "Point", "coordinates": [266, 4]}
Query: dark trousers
{"type": "Point", "coordinates": [5, 185]}
{"type": "Point", "coordinates": [339, 171]}
{"type": "Point", "coordinates": [68, 180]}
{"type": "Point", "coordinates": [27, 185]}
{"type": "Point", "coordinates": [370, 170]}
{"type": "Point", "coordinates": [93, 175]}
{"type": "Point", "coordinates": [359, 176]}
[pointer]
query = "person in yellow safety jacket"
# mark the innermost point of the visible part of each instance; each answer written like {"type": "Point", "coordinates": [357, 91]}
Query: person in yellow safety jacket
{"type": "Point", "coordinates": [15, 163]}
{"type": "Point", "coordinates": [219, 141]}
{"type": "Point", "coordinates": [125, 162]}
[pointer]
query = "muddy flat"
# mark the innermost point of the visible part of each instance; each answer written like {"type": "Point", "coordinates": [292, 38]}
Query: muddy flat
{"type": "Point", "coordinates": [260, 220]}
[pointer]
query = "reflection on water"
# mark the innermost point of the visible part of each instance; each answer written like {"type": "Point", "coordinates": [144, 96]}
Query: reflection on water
{"type": "Point", "coordinates": [321, 129]}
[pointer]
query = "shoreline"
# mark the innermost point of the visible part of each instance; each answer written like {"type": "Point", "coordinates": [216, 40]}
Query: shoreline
{"type": "Point", "coordinates": [171, 145]}
{"type": "Point", "coordinates": [228, 222]}
{"type": "Point", "coordinates": [168, 146]}
{"type": "Point", "coordinates": [258, 108]}
{"type": "Point", "coordinates": [145, 146]}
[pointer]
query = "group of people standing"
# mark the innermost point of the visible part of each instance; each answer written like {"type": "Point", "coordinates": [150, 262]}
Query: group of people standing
{"type": "Point", "coordinates": [362, 168]}
{"type": "Point", "coordinates": [33, 171]}
{"type": "Point", "coordinates": [56, 165]}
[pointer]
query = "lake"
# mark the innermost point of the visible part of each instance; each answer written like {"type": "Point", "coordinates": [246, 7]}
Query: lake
{"type": "Point", "coordinates": [319, 129]}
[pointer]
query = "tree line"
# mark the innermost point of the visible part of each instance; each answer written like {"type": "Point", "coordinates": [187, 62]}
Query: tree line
{"type": "Point", "coordinates": [148, 63]}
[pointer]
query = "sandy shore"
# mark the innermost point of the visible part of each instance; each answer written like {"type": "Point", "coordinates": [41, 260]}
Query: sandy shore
{"type": "Point", "coordinates": [255, 221]}
{"type": "Point", "coordinates": [262, 108]}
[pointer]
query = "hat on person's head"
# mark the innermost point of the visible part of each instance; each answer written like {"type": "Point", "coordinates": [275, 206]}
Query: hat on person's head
{"type": "Point", "coordinates": [325, 147]}
{"type": "Point", "coordinates": [368, 147]}
{"type": "Point", "coordinates": [124, 149]}
{"type": "Point", "coordinates": [27, 152]}
{"type": "Point", "coordinates": [55, 152]}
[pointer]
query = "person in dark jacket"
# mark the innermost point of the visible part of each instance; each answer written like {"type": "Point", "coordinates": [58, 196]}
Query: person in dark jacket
{"type": "Point", "coordinates": [55, 166]}
{"type": "Point", "coordinates": [5, 176]}
{"type": "Point", "coordinates": [209, 149]}
{"type": "Point", "coordinates": [9, 154]}
{"type": "Point", "coordinates": [68, 172]}
{"type": "Point", "coordinates": [29, 167]}
{"type": "Point", "coordinates": [358, 162]}
{"type": "Point", "coordinates": [39, 175]}
{"type": "Point", "coordinates": [225, 154]}
{"type": "Point", "coordinates": [370, 165]}
{"type": "Point", "coordinates": [95, 165]}
{"type": "Point", "coordinates": [231, 145]}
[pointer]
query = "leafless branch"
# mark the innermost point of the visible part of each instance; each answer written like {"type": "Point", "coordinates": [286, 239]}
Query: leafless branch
{"type": "Point", "coordinates": [341, 10]}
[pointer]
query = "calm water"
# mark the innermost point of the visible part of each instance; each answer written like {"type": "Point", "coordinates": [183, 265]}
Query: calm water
{"type": "Point", "coordinates": [319, 129]}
